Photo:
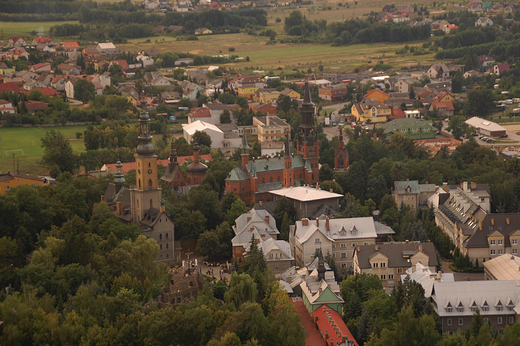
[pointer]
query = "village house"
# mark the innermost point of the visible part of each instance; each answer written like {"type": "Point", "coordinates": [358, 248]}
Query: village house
{"type": "Point", "coordinates": [271, 128]}
{"type": "Point", "coordinates": [438, 71]}
{"type": "Point", "coordinates": [11, 180]}
{"type": "Point", "coordinates": [411, 194]}
{"type": "Point", "coordinates": [371, 112]}
{"type": "Point", "coordinates": [484, 21]}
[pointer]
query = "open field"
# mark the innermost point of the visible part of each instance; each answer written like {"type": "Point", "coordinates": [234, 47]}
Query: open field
{"type": "Point", "coordinates": [28, 139]}
{"type": "Point", "coordinates": [8, 29]}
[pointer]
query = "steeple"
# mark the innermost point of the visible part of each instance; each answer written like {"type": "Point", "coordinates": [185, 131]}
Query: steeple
{"type": "Point", "coordinates": [119, 180]}
{"type": "Point", "coordinates": [173, 153]}
{"type": "Point", "coordinates": [145, 147]}
{"type": "Point", "coordinates": [245, 151]}
{"type": "Point", "coordinates": [341, 144]}
{"type": "Point", "coordinates": [321, 266]}
{"type": "Point", "coordinates": [307, 93]}
{"type": "Point", "coordinates": [287, 148]}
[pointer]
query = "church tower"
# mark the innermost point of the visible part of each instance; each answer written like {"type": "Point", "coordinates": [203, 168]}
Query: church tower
{"type": "Point", "coordinates": [341, 158]}
{"type": "Point", "coordinates": [146, 194]}
{"type": "Point", "coordinates": [288, 170]}
{"type": "Point", "coordinates": [308, 145]}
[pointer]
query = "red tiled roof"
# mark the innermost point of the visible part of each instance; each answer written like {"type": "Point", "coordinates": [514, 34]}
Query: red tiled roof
{"type": "Point", "coordinates": [443, 105]}
{"type": "Point", "coordinates": [9, 87]}
{"type": "Point", "coordinates": [16, 38]}
{"type": "Point", "coordinates": [376, 90]}
{"type": "Point", "coordinates": [45, 91]}
{"type": "Point", "coordinates": [326, 328]}
{"type": "Point", "coordinates": [397, 113]}
{"type": "Point", "coordinates": [70, 45]}
{"type": "Point", "coordinates": [42, 39]}
{"type": "Point", "coordinates": [35, 105]}
{"type": "Point", "coordinates": [4, 102]}
{"type": "Point", "coordinates": [124, 64]}
{"type": "Point", "coordinates": [128, 166]}
{"type": "Point", "coordinates": [40, 65]}
{"type": "Point", "coordinates": [313, 336]}
{"type": "Point", "coordinates": [201, 113]}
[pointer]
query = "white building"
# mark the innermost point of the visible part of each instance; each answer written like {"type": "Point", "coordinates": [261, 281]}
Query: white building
{"type": "Point", "coordinates": [106, 47]}
{"type": "Point", "coordinates": [218, 139]}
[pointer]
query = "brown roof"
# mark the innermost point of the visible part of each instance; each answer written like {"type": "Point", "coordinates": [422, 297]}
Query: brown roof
{"type": "Point", "coordinates": [492, 223]}
{"type": "Point", "coordinates": [397, 253]}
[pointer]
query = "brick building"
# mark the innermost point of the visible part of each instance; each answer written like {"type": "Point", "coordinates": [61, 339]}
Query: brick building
{"type": "Point", "coordinates": [254, 179]}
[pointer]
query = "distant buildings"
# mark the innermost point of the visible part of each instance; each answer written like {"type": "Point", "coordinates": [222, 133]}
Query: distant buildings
{"type": "Point", "coordinates": [271, 128]}
{"type": "Point", "coordinates": [11, 180]}
{"type": "Point", "coordinates": [486, 127]}
{"type": "Point", "coordinates": [411, 194]}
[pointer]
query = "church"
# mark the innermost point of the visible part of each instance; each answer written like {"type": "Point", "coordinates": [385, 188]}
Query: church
{"type": "Point", "coordinates": [143, 204]}
{"type": "Point", "coordinates": [253, 179]}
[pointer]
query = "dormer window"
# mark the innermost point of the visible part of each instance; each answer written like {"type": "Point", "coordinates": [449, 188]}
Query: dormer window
{"type": "Point", "coordinates": [473, 306]}
{"type": "Point", "coordinates": [485, 306]}
{"type": "Point", "coordinates": [460, 307]}
{"type": "Point", "coordinates": [499, 306]}
{"type": "Point", "coordinates": [448, 307]}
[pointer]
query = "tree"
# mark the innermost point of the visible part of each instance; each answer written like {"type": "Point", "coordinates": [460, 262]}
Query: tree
{"type": "Point", "coordinates": [84, 90]}
{"type": "Point", "coordinates": [458, 126]}
{"type": "Point", "coordinates": [326, 173]}
{"type": "Point", "coordinates": [202, 138]}
{"type": "Point", "coordinates": [206, 245]}
{"type": "Point", "coordinates": [237, 208]}
{"type": "Point", "coordinates": [480, 102]}
{"type": "Point", "coordinates": [284, 229]}
{"type": "Point", "coordinates": [411, 94]}
{"type": "Point", "coordinates": [226, 98]}
{"type": "Point", "coordinates": [225, 117]}
{"type": "Point", "coordinates": [331, 184]}
{"type": "Point", "coordinates": [256, 266]}
{"type": "Point", "coordinates": [242, 288]}
{"type": "Point", "coordinates": [58, 155]}
{"type": "Point", "coordinates": [283, 206]}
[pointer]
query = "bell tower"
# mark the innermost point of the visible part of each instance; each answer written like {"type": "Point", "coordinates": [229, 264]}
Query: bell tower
{"type": "Point", "coordinates": [146, 194]}
{"type": "Point", "coordinates": [308, 144]}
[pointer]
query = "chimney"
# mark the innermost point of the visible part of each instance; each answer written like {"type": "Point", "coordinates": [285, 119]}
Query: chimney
{"type": "Point", "coordinates": [420, 248]}
{"type": "Point", "coordinates": [407, 241]}
{"type": "Point", "coordinates": [377, 247]}
{"type": "Point", "coordinates": [445, 186]}
{"type": "Point", "coordinates": [267, 218]}
{"type": "Point", "coordinates": [331, 190]}
{"type": "Point", "coordinates": [507, 221]}
{"type": "Point", "coordinates": [465, 186]}
{"type": "Point", "coordinates": [473, 185]}
{"type": "Point", "coordinates": [327, 225]}
{"type": "Point", "coordinates": [305, 222]}
{"type": "Point", "coordinates": [492, 221]}
{"type": "Point", "coordinates": [261, 203]}
{"type": "Point", "coordinates": [317, 222]}
{"type": "Point", "coordinates": [480, 225]}
{"type": "Point", "coordinates": [118, 208]}
{"type": "Point", "coordinates": [439, 274]}
{"type": "Point", "coordinates": [103, 199]}
{"type": "Point", "coordinates": [248, 218]}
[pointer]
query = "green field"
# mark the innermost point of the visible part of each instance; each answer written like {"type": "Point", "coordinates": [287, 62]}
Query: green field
{"type": "Point", "coordinates": [8, 29]}
{"type": "Point", "coordinates": [18, 140]}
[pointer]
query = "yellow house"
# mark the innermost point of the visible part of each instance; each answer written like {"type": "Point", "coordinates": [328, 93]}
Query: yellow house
{"type": "Point", "coordinates": [444, 96]}
{"type": "Point", "coordinates": [203, 31]}
{"type": "Point", "coordinates": [266, 96]}
{"type": "Point", "coordinates": [247, 92]}
{"type": "Point", "coordinates": [371, 112]}
{"type": "Point", "coordinates": [377, 95]}
{"type": "Point", "coordinates": [131, 99]}
{"type": "Point", "coordinates": [291, 93]}
{"type": "Point", "coordinates": [11, 180]}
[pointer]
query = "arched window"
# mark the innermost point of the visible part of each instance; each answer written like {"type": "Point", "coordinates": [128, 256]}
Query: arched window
{"type": "Point", "coordinates": [271, 179]}
{"type": "Point", "coordinates": [263, 180]}
{"type": "Point", "coordinates": [166, 245]}
{"type": "Point", "coordinates": [150, 183]}
{"type": "Point", "coordinates": [166, 235]}
{"type": "Point", "coordinates": [149, 165]}
{"type": "Point", "coordinates": [340, 161]}
{"type": "Point", "coordinates": [151, 203]}
{"type": "Point", "coordinates": [160, 236]}
{"type": "Point", "coordinates": [139, 183]}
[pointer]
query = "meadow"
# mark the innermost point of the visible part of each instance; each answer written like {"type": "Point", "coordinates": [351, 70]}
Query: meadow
{"type": "Point", "coordinates": [8, 29]}
{"type": "Point", "coordinates": [18, 140]}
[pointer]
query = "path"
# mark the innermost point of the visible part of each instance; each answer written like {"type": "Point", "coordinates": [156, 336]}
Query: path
{"type": "Point", "coordinates": [461, 276]}
{"type": "Point", "coordinates": [313, 336]}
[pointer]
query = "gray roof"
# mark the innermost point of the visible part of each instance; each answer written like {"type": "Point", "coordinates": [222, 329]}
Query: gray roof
{"type": "Point", "coordinates": [397, 253]}
{"type": "Point", "coordinates": [406, 187]}
{"type": "Point", "coordinates": [504, 223]}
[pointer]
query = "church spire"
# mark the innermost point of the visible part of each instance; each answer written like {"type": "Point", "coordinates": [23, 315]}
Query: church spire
{"type": "Point", "coordinates": [145, 147]}
{"type": "Point", "coordinates": [173, 153]}
{"type": "Point", "coordinates": [307, 92]}
{"type": "Point", "coordinates": [287, 148]}
{"type": "Point", "coordinates": [245, 151]}
{"type": "Point", "coordinates": [340, 142]}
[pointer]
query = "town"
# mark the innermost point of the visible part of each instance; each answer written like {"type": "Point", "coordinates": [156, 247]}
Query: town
{"type": "Point", "coordinates": [160, 196]}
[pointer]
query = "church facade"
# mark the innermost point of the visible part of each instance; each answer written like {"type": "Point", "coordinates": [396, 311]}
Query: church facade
{"type": "Point", "coordinates": [253, 179]}
{"type": "Point", "coordinates": [143, 203]}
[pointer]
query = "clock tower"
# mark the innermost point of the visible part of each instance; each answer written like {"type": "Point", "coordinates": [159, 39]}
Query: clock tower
{"type": "Point", "coordinates": [146, 194]}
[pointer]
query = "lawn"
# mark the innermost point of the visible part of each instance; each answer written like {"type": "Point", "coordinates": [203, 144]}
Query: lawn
{"type": "Point", "coordinates": [26, 145]}
{"type": "Point", "coordinates": [8, 29]}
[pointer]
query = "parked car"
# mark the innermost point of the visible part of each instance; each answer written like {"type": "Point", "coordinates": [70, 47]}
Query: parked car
{"type": "Point", "coordinates": [504, 135]}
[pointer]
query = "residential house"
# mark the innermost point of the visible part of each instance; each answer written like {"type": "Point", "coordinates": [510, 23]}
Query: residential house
{"type": "Point", "coordinates": [262, 226]}
{"type": "Point", "coordinates": [406, 9]}
{"type": "Point", "coordinates": [17, 41]}
{"type": "Point", "coordinates": [170, 97]}
{"type": "Point", "coordinates": [435, 144]}
{"type": "Point", "coordinates": [271, 128]}
{"type": "Point", "coordinates": [69, 69]}
{"type": "Point", "coordinates": [474, 6]}
{"type": "Point", "coordinates": [371, 112]}
{"type": "Point", "coordinates": [70, 45]}
{"type": "Point", "coordinates": [404, 85]}
{"type": "Point", "coordinates": [209, 113]}
{"type": "Point", "coordinates": [457, 302]}
{"type": "Point", "coordinates": [58, 82]}
{"type": "Point", "coordinates": [389, 260]}
{"type": "Point", "coordinates": [411, 128]}
{"type": "Point", "coordinates": [99, 63]}
{"type": "Point", "coordinates": [485, 60]}
{"type": "Point", "coordinates": [389, 9]}
{"type": "Point", "coordinates": [33, 84]}
{"type": "Point", "coordinates": [472, 74]}
{"type": "Point", "coordinates": [35, 106]}
{"type": "Point", "coordinates": [333, 93]}
{"type": "Point", "coordinates": [6, 107]}
{"type": "Point", "coordinates": [444, 85]}
{"type": "Point", "coordinates": [410, 194]}
{"type": "Point", "coordinates": [269, 148]}
{"type": "Point", "coordinates": [308, 202]}
{"type": "Point", "coordinates": [438, 71]}
{"type": "Point", "coordinates": [42, 40]}
{"type": "Point", "coordinates": [426, 277]}
{"type": "Point", "coordinates": [90, 51]}
{"type": "Point", "coordinates": [69, 88]}
{"type": "Point", "coordinates": [215, 5]}
{"type": "Point", "coordinates": [337, 237]}
{"type": "Point", "coordinates": [327, 319]}
{"type": "Point", "coordinates": [40, 67]}
{"type": "Point", "coordinates": [376, 95]}
{"type": "Point", "coordinates": [175, 28]}
{"type": "Point", "coordinates": [445, 109]}
{"type": "Point", "coordinates": [156, 78]}
{"type": "Point", "coordinates": [291, 93]}
{"type": "Point", "coordinates": [145, 60]}
{"type": "Point", "coordinates": [264, 108]}
{"type": "Point", "coordinates": [439, 24]}
{"type": "Point", "coordinates": [11, 180]}
{"type": "Point", "coordinates": [203, 31]}
{"type": "Point", "coordinates": [266, 95]}
{"type": "Point", "coordinates": [484, 21]}
{"type": "Point", "coordinates": [16, 53]}
{"type": "Point", "coordinates": [43, 48]}
{"type": "Point", "coordinates": [216, 134]}
{"type": "Point", "coordinates": [444, 96]}
{"type": "Point", "coordinates": [150, 52]}
{"type": "Point", "coordinates": [450, 28]}
{"type": "Point", "coordinates": [498, 69]}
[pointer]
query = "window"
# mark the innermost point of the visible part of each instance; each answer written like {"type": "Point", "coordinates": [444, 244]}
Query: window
{"type": "Point", "coordinates": [511, 320]}
{"type": "Point", "coordinates": [500, 252]}
{"type": "Point", "coordinates": [448, 321]}
{"type": "Point", "coordinates": [461, 321]}
{"type": "Point", "coordinates": [343, 245]}
{"type": "Point", "coordinates": [7, 187]}
{"type": "Point", "coordinates": [500, 242]}
{"type": "Point", "coordinates": [375, 265]}
{"type": "Point", "coordinates": [333, 255]}
{"type": "Point", "coordinates": [160, 246]}
{"type": "Point", "coordinates": [492, 252]}
{"type": "Point", "coordinates": [514, 241]}
{"type": "Point", "coordinates": [500, 308]}
{"type": "Point", "coordinates": [20, 180]}
{"type": "Point", "coordinates": [354, 244]}
{"type": "Point", "coordinates": [499, 320]}
{"type": "Point", "coordinates": [449, 309]}
{"type": "Point", "coordinates": [390, 276]}
{"type": "Point", "coordinates": [333, 246]}
{"type": "Point", "coordinates": [399, 270]}
{"type": "Point", "coordinates": [486, 320]}
{"type": "Point", "coordinates": [343, 255]}
{"type": "Point", "coordinates": [366, 243]}
{"type": "Point", "coordinates": [160, 236]}
{"type": "Point", "coordinates": [317, 240]}
{"type": "Point", "coordinates": [166, 245]}
{"type": "Point", "coordinates": [383, 277]}
{"type": "Point", "coordinates": [492, 242]}
{"type": "Point", "coordinates": [460, 309]}
{"type": "Point", "coordinates": [515, 252]}
{"type": "Point", "coordinates": [383, 265]}
{"type": "Point", "coordinates": [166, 235]}
{"type": "Point", "coordinates": [485, 308]}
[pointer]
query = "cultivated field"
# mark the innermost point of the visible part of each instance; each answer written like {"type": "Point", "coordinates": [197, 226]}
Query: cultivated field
{"type": "Point", "coordinates": [8, 29]}
{"type": "Point", "coordinates": [27, 140]}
